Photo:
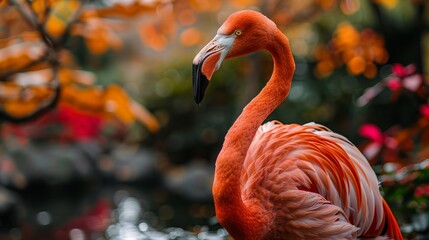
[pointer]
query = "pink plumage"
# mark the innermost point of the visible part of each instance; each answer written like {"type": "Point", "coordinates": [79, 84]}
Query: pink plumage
{"type": "Point", "coordinates": [279, 181]}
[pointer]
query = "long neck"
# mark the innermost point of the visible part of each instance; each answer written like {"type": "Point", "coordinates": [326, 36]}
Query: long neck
{"type": "Point", "coordinates": [230, 209]}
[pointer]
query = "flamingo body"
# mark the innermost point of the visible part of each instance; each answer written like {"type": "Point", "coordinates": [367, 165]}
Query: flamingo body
{"type": "Point", "coordinates": [279, 181]}
{"type": "Point", "coordinates": [305, 180]}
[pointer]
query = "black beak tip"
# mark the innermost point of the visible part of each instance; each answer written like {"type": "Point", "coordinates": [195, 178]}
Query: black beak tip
{"type": "Point", "coordinates": [200, 83]}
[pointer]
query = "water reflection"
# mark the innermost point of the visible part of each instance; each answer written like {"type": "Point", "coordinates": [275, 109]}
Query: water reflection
{"type": "Point", "coordinates": [130, 221]}
{"type": "Point", "coordinates": [108, 212]}
{"type": "Point", "coordinates": [43, 218]}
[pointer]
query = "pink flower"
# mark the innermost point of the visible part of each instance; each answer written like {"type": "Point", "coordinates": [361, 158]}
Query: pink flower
{"type": "Point", "coordinates": [372, 132]}
{"type": "Point", "coordinates": [412, 82]}
{"type": "Point", "coordinates": [402, 71]}
{"type": "Point", "coordinates": [404, 77]}
{"type": "Point", "coordinates": [394, 84]}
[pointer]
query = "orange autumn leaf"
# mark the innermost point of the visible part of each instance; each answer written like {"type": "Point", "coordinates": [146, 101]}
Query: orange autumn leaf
{"type": "Point", "coordinates": [18, 55]}
{"type": "Point", "coordinates": [349, 6]}
{"type": "Point", "coordinates": [15, 93]}
{"type": "Point", "coordinates": [370, 70]}
{"type": "Point", "coordinates": [346, 36]}
{"type": "Point", "coordinates": [99, 36]}
{"type": "Point", "coordinates": [90, 98]}
{"type": "Point", "coordinates": [62, 13]}
{"type": "Point", "coordinates": [360, 51]}
{"type": "Point", "coordinates": [69, 76]}
{"type": "Point", "coordinates": [243, 3]}
{"type": "Point", "coordinates": [186, 17]}
{"type": "Point", "coordinates": [144, 116]}
{"type": "Point", "coordinates": [356, 65]}
{"type": "Point", "coordinates": [151, 36]}
{"type": "Point", "coordinates": [190, 37]}
{"type": "Point", "coordinates": [26, 93]}
{"type": "Point", "coordinates": [127, 10]}
{"type": "Point", "coordinates": [40, 8]}
{"type": "Point", "coordinates": [387, 3]}
{"type": "Point", "coordinates": [97, 45]}
{"type": "Point", "coordinates": [20, 108]}
{"type": "Point", "coordinates": [20, 102]}
{"type": "Point", "coordinates": [206, 6]}
{"type": "Point", "coordinates": [3, 3]}
{"type": "Point", "coordinates": [26, 36]}
{"type": "Point", "coordinates": [378, 54]}
{"type": "Point", "coordinates": [324, 68]}
{"type": "Point", "coordinates": [327, 4]}
{"type": "Point", "coordinates": [39, 94]}
{"type": "Point", "coordinates": [9, 90]}
{"type": "Point", "coordinates": [117, 102]}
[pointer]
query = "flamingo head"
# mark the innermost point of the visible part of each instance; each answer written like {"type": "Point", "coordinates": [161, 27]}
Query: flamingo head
{"type": "Point", "coordinates": [243, 32]}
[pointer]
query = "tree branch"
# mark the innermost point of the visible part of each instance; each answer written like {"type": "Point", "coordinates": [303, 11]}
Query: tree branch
{"type": "Point", "coordinates": [31, 19]}
{"type": "Point", "coordinates": [50, 55]}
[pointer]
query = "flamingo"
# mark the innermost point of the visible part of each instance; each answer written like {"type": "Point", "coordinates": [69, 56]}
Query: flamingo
{"type": "Point", "coordinates": [285, 181]}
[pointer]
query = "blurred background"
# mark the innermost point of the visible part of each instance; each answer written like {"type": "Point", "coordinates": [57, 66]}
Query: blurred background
{"type": "Point", "coordinates": [101, 138]}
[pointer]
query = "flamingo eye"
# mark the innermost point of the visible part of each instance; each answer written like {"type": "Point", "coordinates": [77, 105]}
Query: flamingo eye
{"type": "Point", "coordinates": [238, 32]}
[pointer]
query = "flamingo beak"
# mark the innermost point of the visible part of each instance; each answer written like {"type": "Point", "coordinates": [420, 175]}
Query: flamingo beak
{"type": "Point", "coordinates": [207, 61]}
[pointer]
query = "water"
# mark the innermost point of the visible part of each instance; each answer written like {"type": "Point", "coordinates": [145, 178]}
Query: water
{"type": "Point", "coordinates": [116, 212]}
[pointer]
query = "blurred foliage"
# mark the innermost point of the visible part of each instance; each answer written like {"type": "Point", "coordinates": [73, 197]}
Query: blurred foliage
{"type": "Point", "coordinates": [399, 141]}
{"type": "Point", "coordinates": [359, 51]}
{"type": "Point", "coordinates": [38, 66]}
{"type": "Point", "coordinates": [71, 71]}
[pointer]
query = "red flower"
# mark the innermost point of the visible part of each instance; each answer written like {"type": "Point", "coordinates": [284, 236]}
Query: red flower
{"type": "Point", "coordinates": [424, 110]}
{"type": "Point", "coordinates": [393, 83]}
{"type": "Point", "coordinates": [404, 77]}
{"type": "Point", "coordinates": [422, 191]}
{"type": "Point", "coordinates": [80, 125]}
